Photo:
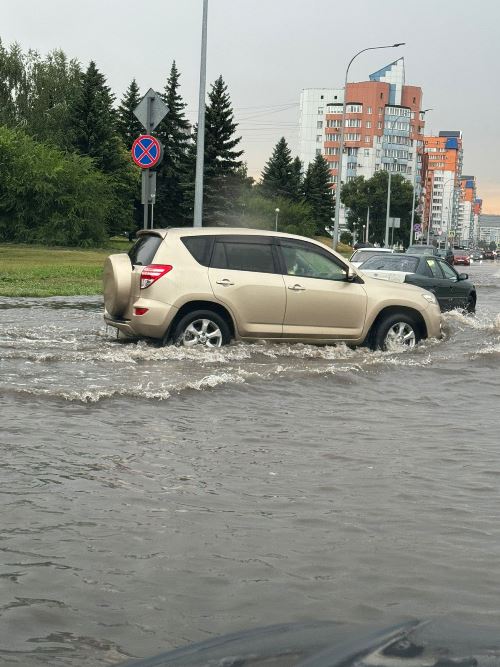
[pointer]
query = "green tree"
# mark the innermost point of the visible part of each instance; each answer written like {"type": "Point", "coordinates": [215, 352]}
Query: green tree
{"type": "Point", "coordinates": [224, 178]}
{"type": "Point", "coordinates": [279, 176]}
{"type": "Point", "coordinates": [50, 196]}
{"type": "Point", "coordinates": [127, 125]}
{"type": "Point", "coordinates": [359, 194]}
{"type": "Point", "coordinates": [174, 134]}
{"type": "Point", "coordinates": [12, 85]}
{"type": "Point", "coordinates": [93, 121]}
{"type": "Point", "coordinates": [260, 213]}
{"type": "Point", "coordinates": [318, 194]}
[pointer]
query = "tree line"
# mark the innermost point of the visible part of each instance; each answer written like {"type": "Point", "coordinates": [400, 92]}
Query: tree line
{"type": "Point", "coordinates": [66, 175]}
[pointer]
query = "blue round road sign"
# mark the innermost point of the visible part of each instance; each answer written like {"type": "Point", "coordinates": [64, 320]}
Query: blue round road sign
{"type": "Point", "coordinates": [146, 151]}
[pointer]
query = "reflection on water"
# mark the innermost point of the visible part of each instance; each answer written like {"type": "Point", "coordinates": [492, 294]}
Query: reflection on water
{"type": "Point", "coordinates": [276, 483]}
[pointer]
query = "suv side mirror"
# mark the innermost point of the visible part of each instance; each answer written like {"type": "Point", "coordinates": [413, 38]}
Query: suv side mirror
{"type": "Point", "coordinates": [351, 274]}
{"type": "Point", "coordinates": [463, 276]}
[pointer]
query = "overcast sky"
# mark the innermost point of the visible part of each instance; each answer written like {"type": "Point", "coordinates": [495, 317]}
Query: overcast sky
{"type": "Point", "coordinates": [268, 50]}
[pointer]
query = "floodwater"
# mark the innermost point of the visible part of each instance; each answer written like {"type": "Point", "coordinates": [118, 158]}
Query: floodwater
{"type": "Point", "coordinates": [156, 496]}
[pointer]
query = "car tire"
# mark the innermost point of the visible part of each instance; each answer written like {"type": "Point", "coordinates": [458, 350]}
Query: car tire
{"type": "Point", "coordinates": [117, 283]}
{"type": "Point", "coordinates": [201, 328]}
{"type": "Point", "coordinates": [394, 329]}
{"type": "Point", "coordinates": [470, 306]}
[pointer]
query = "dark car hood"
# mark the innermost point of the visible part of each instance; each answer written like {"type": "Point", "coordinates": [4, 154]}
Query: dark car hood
{"type": "Point", "coordinates": [414, 643]}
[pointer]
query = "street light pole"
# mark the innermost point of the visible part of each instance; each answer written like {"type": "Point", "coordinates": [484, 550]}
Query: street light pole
{"type": "Point", "coordinates": [387, 213]}
{"type": "Point", "coordinates": [342, 140]}
{"type": "Point", "coordinates": [200, 139]}
{"type": "Point", "coordinates": [277, 211]}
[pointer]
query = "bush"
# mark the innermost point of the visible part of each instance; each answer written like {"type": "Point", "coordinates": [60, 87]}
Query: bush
{"type": "Point", "coordinates": [51, 197]}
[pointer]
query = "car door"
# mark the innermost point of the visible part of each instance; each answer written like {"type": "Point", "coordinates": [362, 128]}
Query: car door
{"type": "Point", "coordinates": [433, 279]}
{"type": "Point", "coordinates": [320, 302]}
{"type": "Point", "coordinates": [244, 275]}
{"type": "Point", "coordinates": [457, 291]}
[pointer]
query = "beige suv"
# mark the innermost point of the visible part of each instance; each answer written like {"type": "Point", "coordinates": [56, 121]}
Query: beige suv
{"type": "Point", "coordinates": [193, 286]}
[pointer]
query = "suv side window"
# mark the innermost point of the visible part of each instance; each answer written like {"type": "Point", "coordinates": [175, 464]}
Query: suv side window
{"type": "Point", "coordinates": [243, 256]}
{"type": "Point", "coordinates": [144, 249]}
{"type": "Point", "coordinates": [200, 247]}
{"type": "Point", "coordinates": [448, 271]}
{"type": "Point", "coordinates": [307, 262]}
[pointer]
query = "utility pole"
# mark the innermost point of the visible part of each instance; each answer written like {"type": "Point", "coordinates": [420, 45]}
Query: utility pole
{"type": "Point", "coordinates": [200, 142]}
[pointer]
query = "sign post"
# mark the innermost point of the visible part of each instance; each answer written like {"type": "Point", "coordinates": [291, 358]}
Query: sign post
{"type": "Point", "coordinates": [147, 151]}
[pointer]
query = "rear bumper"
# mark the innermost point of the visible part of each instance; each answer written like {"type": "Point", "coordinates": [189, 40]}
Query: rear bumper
{"type": "Point", "coordinates": [153, 324]}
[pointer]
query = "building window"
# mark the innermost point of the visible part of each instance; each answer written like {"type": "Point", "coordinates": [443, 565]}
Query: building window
{"type": "Point", "coordinates": [319, 138]}
{"type": "Point", "coordinates": [320, 111]}
{"type": "Point", "coordinates": [351, 136]}
{"type": "Point", "coordinates": [368, 110]}
{"type": "Point", "coordinates": [353, 122]}
{"type": "Point", "coordinates": [321, 97]}
{"type": "Point", "coordinates": [354, 108]}
{"type": "Point", "coordinates": [380, 111]}
{"type": "Point", "coordinates": [318, 151]}
{"type": "Point", "coordinates": [368, 124]}
{"type": "Point", "coordinates": [319, 124]}
{"type": "Point", "coordinates": [367, 140]}
{"type": "Point", "coordinates": [377, 167]}
{"type": "Point", "coordinates": [379, 125]}
{"type": "Point", "coordinates": [367, 152]}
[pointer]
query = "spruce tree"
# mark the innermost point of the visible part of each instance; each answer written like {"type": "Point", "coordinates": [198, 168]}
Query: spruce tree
{"type": "Point", "coordinates": [127, 125]}
{"type": "Point", "coordinates": [224, 178]}
{"type": "Point", "coordinates": [174, 134]}
{"type": "Point", "coordinates": [93, 121]}
{"type": "Point", "coordinates": [318, 194]}
{"type": "Point", "coordinates": [279, 176]}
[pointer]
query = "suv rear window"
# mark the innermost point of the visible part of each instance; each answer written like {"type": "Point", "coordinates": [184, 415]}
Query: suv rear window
{"type": "Point", "coordinates": [200, 247]}
{"type": "Point", "coordinates": [144, 249]}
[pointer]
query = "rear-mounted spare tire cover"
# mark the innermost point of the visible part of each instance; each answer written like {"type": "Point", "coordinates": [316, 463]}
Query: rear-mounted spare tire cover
{"type": "Point", "coordinates": [117, 280]}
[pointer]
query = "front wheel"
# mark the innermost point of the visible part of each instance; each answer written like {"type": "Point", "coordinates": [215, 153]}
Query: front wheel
{"type": "Point", "coordinates": [470, 306]}
{"type": "Point", "coordinates": [396, 332]}
{"type": "Point", "coordinates": [201, 328]}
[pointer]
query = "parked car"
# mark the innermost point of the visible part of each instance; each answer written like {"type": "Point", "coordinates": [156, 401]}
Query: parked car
{"type": "Point", "coordinates": [488, 254]}
{"type": "Point", "coordinates": [476, 255]}
{"type": "Point", "coordinates": [447, 254]}
{"type": "Point", "coordinates": [208, 286]}
{"type": "Point", "coordinates": [360, 256]}
{"type": "Point", "coordinates": [461, 256]}
{"type": "Point", "coordinates": [452, 289]}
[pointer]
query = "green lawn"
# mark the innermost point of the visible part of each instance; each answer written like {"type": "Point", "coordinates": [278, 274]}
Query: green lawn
{"type": "Point", "coordinates": [27, 270]}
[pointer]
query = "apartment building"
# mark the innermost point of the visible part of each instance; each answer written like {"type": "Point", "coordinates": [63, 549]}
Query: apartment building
{"type": "Point", "coordinates": [383, 129]}
{"type": "Point", "coordinates": [465, 223]}
{"type": "Point", "coordinates": [442, 169]}
{"type": "Point", "coordinates": [489, 228]}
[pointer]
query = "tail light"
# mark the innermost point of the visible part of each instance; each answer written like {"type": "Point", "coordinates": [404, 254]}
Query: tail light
{"type": "Point", "coordinates": [151, 273]}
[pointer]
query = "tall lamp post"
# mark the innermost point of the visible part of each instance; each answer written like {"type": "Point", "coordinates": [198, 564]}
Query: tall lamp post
{"type": "Point", "coordinates": [341, 151]}
{"type": "Point", "coordinates": [277, 211]}
{"type": "Point", "coordinates": [423, 112]}
{"type": "Point", "coordinates": [200, 145]}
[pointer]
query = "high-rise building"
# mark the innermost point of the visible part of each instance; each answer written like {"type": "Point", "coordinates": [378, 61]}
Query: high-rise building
{"type": "Point", "coordinates": [442, 169]}
{"type": "Point", "coordinates": [465, 222]}
{"type": "Point", "coordinates": [489, 228]}
{"type": "Point", "coordinates": [383, 129]}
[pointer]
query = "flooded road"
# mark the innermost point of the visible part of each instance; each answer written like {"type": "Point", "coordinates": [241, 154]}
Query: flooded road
{"type": "Point", "coordinates": [156, 496]}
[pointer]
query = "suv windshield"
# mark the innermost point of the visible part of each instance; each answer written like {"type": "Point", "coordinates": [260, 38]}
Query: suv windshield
{"type": "Point", "coordinates": [144, 249]}
{"type": "Point", "coordinates": [391, 263]}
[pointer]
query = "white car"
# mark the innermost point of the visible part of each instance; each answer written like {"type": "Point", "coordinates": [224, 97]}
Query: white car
{"type": "Point", "coordinates": [361, 255]}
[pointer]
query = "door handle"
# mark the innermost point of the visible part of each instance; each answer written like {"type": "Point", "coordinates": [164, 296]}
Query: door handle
{"type": "Point", "coordinates": [297, 288]}
{"type": "Point", "coordinates": [225, 281]}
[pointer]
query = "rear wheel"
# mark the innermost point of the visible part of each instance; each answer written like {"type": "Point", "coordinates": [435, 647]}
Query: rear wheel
{"type": "Point", "coordinates": [201, 328]}
{"type": "Point", "coordinates": [396, 332]}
